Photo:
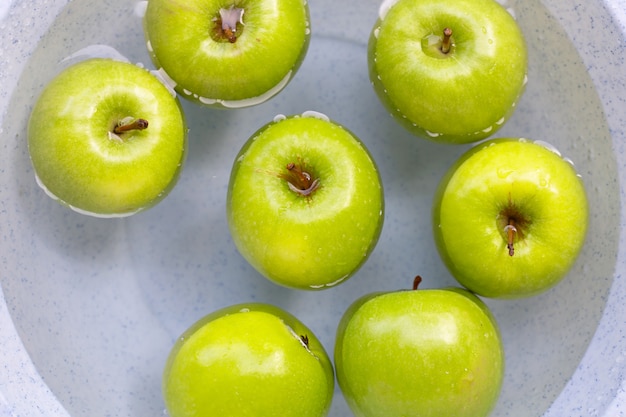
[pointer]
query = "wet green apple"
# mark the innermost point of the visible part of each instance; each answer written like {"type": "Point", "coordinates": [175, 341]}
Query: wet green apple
{"type": "Point", "coordinates": [107, 138]}
{"type": "Point", "coordinates": [248, 360]}
{"type": "Point", "coordinates": [305, 202]}
{"type": "Point", "coordinates": [449, 71]}
{"type": "Point", "coordinates": [426, 353]}
{"type": "Point", "coordinates": [510, 218]}
{"type": "Point", "coordinates": [227, 53]}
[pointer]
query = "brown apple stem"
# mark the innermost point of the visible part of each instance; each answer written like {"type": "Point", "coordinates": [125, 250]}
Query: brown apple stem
{"type": "Point", "coordinates": [446, 42]}
{"type": "Point", "coordinates": [510, 234]}
{"type": "Point", "coordinates": [137, 124]}
{"type": "Point", "coordinates": [300, 181]}
{"type": "Point", "coordinates": [416, 282]}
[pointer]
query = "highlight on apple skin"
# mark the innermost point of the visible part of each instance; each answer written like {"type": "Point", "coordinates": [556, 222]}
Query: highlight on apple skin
{"type": "Point", "coordinates": [107, 138]}
{"type": "Point", "coordinates": [305, 202]}
{"type": "Point", "coordinates": [510, 218]}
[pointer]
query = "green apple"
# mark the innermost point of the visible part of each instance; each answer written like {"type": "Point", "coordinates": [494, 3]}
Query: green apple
{"type": "Point", "coordinates": [420, 353]}
{"type": "Point", "coordinates": [107, 138]}
{"type": "Point", "coordinates": [510, 218]}
{"type": "Point", "coordinates": [305, 202]}
{"type": "Point", "coordinates": [449, 71]}
{"type": "Point", "coordinates": [228, 53]}
{"type": "Point", "coordinates": [248, 360]}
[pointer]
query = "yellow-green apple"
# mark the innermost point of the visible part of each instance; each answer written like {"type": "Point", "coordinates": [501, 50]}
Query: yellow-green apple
{"type": "Point", "coordinates": [227, 53]}
{"type": "Point", "coordinates": [449, 71]}
{"type": "Point", "coordinates": [305, 202]}
{"type": "Point", "coordinates": [248, 360]}
{"type": "Point", "coordinates": [510, 218]}
{"type": "Point", "coordinates": [426, 353]}
{"type": "Point", "coordinates": [107, 138]}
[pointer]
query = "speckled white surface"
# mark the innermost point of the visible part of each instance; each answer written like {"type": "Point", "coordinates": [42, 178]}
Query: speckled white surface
{"type": "Point", "coordinates": [90, 307]}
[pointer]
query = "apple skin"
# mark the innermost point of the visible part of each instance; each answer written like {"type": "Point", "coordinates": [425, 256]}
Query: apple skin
{"type": "Point", "coordinates": [75, 157]}
{"type": "Point", "coordinates": [426, 353]}
{"type": "Point", "coordinates": [543, 193]}
{"type": "Point", "coordinates": [463, 96]}
{"type": "Point", "coordinates": [270, 47]}
{"type": "Point", "coordinates": [305, 242]}
{"type": "Point", "coordinates": [248, 360]}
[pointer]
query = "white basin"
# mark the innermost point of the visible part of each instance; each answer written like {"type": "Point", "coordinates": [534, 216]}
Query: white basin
{"type": "Point", "coordinates": [89, 308]}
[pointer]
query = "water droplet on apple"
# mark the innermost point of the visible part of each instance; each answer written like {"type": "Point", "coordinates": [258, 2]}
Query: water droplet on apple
{"type": "Point", "coordinates": [488, 129]}
{"type": "Point", "coordinates": [316, 115]}
{"type": "Point", "coordinates": [252, 101]}
{"type": "Point", "coordinates": [115, 138]}
{"type": "Point", "coordinates": [140, 8]}
{"type": "Point", "coordinates": [149, 46]}
{"type": "Point", "coordinates": [484, 29]}
{"type": "Point", "coordinates": [384, 8]}
{"type": "Point", "coordinates": [569, 161]}
{"type": "Point", "coordinates": [208, 101]}
{"type": "Point", "coordinates": [511, 12]}
{"type": "Point", "coordinates": [500, 122]}
{"type": "Point", "coordinates": [490, 41]}
{"type": "Point", "coordinates": [279, 117]}
{"type": "Point", "coordinates": [166, 80]}
{"type": "Point", "coordinates": [525, 79]}
{"type": "Point", "coordinates": [376, 32]}
{"type": "Point", "coordinates": [244, 310]}
{"type": "Point", "coordinates": [97, 51]}
{"type": "Point", "coordinates": [431, 134]}
{"type": "Point", "coordinates": [548, 146]}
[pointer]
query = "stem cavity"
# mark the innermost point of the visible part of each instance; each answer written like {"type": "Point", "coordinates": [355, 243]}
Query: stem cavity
{"type": "Point", "coordinates": [300, 181]}
{"type": "Point", "coordinates": [226, 24]}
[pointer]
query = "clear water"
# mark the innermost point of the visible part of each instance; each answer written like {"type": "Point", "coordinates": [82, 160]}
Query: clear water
{"type": "Point", "coordinates": [99, 316]}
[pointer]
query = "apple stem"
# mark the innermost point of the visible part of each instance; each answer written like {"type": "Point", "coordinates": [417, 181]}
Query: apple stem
{"type": "Point", "coordinates": [134, 124]}
{"type": "Point", "coordinates": [416, 282]}
{"type": "Point", "coordinates": [446, 42]}
{"type": "Point", "coordinates": [510, 233]}
{"type": "Point", "coordinates": [300, 181]}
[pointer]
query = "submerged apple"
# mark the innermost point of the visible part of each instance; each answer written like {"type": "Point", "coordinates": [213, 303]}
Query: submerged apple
{"type": "Point", "coordinates": [305, 202]}
{"type": "Point", "coordinates": [510, 218]}
{"type": "Point", "coordinates": [248, 360]}
{"type": "Point", "coordinates": [107, 138]}
{"type": "Point", "coordinates": [228, 53]}
{"type": "Point", "coordinates": [449, 71]}
{"type": "Point", "coordinates": [426, 353]}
